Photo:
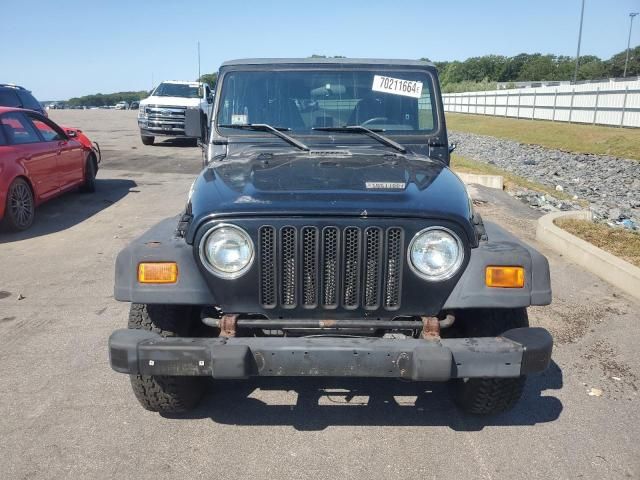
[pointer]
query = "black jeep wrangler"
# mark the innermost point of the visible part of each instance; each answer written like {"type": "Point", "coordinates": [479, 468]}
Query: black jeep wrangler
{"type": "Point", "coordinates": [326, 236]}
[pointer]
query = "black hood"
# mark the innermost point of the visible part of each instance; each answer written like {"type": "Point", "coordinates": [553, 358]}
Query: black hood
{"type": "Point", "coordinates": [329, 183]}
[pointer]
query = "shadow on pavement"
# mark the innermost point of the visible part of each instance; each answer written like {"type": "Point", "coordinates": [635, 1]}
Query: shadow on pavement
{"type": "Point", "coordinates": [232, 403]}
{"type": "Point", "coordinates": [72, 208]}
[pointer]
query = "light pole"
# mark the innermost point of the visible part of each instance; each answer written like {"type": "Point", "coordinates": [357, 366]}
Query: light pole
{"type": "Point", "coordinates": [575, 73]}
{"type": "Point", "coordinates": [626, 62]}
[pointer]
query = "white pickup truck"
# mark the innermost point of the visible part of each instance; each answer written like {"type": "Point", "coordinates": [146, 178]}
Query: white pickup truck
{"type": "Point", "coordinates": [163, 112]}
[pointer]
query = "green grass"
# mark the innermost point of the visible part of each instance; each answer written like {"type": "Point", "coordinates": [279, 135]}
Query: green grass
{"type": "Point", "coordinates": [571, 137]}
{"type": "Point", "coordinates": [511, 181]}
{"type": "Point", "coordinates": [617, 241]}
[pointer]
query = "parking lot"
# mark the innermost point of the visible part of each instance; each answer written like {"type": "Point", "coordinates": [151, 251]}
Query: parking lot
{"type": "Point", "coordinates": [65, 414]}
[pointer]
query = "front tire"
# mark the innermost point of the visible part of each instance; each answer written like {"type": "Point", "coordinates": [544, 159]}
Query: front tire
{"type": "Point", "coordinates": [20, 206]}
{"type": "Point", "coordinates": [90, 172]}
{"type": "Point", "coordinates": [165, 394]}
{"type": "Point", "coordinates": [489, 396]}
{"type": "Point", "coordinates": [147, 140]}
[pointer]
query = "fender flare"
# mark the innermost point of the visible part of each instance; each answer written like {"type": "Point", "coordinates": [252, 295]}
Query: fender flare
{"type": "Point", "coordinates": [502, 248]}
{"type": "Point", "coordinates": [161, 244]}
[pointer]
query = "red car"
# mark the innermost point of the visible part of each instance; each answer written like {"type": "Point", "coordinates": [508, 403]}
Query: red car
{"type": "Point", "coordinates": [40, 160]}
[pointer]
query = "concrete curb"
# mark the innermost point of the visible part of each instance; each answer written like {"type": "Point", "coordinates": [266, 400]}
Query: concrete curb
{"type": "Point", "coordinates": [610, 268]}
{"type": "Point", "coordinates": [490, 181]}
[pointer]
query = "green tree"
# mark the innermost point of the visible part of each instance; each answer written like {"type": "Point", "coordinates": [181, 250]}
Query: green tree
{"type": "Point", "coordinates": [615, 65]}
{"type": "Point", "coordinates": [479, 68]}
{"type": "Point", "coordinates": [592, 69]}
{"type": "Point", "coordinates": [512, 67]}
{"type": "Point", "coordinates": [454, 73]}
{"type": "Point", "coordinates": [539, 67]}
{"type": "Point", "coordinates": [210, 78]}
{"type": "Point", "coordinates": [565, 68]}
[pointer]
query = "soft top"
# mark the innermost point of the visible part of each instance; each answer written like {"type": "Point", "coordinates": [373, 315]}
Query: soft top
{"type": "Point", "coordinates": [328, 61]}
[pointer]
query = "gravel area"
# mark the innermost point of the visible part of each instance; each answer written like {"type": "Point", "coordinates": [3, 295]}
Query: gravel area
{"type": "Point", "coordinates": [611, 185]}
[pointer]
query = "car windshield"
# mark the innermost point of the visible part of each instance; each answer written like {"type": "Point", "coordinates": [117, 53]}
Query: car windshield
{"type": "Point", "coordinates": [393, 101]}
{"type": "Point", "coordinates": [177, 90]}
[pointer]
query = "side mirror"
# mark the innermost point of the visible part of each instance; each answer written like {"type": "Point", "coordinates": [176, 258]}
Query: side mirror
{"type": "Point", "coordinates": [193, 124]}
{"type": "Point", "coordinates": [210, 98]}
{"type": "Point", "coordinates": [452, 147]}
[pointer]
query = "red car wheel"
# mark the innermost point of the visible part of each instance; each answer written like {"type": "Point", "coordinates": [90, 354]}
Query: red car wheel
{"type": "Point", "coordinates": [20, 209]}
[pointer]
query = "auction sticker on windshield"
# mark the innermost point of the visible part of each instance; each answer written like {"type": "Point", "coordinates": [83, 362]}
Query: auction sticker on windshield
{"type": "Point", "coordinates": [397, 86]}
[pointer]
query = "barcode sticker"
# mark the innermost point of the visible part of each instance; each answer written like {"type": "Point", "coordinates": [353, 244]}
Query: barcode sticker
{"type": "Point", "coordinates": [397, 86]}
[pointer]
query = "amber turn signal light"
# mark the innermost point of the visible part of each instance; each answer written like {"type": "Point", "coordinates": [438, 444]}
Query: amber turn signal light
{"type": "Point", "coordinates": [504, 277]}
{"type": "Point", "coordinates": [158, 272]}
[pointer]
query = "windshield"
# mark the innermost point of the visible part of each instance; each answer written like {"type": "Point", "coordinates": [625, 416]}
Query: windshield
{"type": "Point", "coordinates": [399, 102]}
{"type": "Point", "coordinates": [177, 90]}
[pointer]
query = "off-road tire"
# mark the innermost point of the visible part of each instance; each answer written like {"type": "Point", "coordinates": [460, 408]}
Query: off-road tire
{"type": "Point", "coordinates": [90, 172]}
{"type": "Point", "coordinates": [165, 394]}
{"type": "Point", "coordinates": [147, 140]}
{"type": "Point", "coordinates": [19, 210]}
{"type": "Point", "coordinates": [489, 396]}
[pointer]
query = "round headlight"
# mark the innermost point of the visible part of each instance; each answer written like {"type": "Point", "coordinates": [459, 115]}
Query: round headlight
{"type": "Point", "coordinates": [227, 251]}
{"type": "Point", "coordinates": [435, 253]}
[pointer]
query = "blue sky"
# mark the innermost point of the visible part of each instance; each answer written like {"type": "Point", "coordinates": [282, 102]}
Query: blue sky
{"type": "Point", "coordinates": [69, 48]}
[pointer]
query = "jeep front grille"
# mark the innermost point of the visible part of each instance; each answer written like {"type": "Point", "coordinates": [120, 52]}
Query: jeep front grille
{"type": "Point", "coordinates": [330, 267]}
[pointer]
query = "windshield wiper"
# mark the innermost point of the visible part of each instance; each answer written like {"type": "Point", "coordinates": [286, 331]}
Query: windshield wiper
{"type": "Point", "coordinates": [367, 131]}
{"type": "Point", "coordinates": [277, 131]}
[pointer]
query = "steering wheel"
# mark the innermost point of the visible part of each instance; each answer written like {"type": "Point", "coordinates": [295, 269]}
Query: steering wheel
{"type": "Point", "coordinates": [373, 121]}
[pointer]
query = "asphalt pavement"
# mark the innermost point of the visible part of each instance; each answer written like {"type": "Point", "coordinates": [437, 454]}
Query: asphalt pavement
{"type": "Point", "coordinates": [65, 414]}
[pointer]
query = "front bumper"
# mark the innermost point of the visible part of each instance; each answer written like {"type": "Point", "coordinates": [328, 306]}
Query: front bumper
{"type": "Point", "coordinates": [517, 352]}
{"type": "Point", "coordinates": [154, 131]}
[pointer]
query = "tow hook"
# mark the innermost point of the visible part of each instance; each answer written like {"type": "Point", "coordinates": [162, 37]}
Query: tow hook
{"type": "Point", "coordinates": [430, 328]}
{"type": "Point", "coordinates": [228, 324]}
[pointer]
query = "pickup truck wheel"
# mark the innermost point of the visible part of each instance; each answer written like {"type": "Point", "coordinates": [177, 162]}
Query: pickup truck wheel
{"type": "Point", "coordinates": [489, 396]}
{"type": "Point", "coordinates": [146, 140]}
{"type": "Point", "coordinates": [90, 171]}
{"type": "Point", "coordinates": [165, 394]}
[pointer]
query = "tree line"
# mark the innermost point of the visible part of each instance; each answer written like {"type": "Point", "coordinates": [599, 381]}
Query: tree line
{"type": "Point", "coordinates": [483, 72]}
{"type": "Point", "coordinates": [102, 99]}
{"type": "Point", "coordinates": [475, 73]}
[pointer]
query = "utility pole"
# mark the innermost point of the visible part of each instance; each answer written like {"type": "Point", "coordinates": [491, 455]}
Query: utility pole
{"type": "Point", "coordinates": [626, 62]}
{"type": "Point", "coordinates": [575, 74]}
{"type": "Point", "coordinates": [198, 60]}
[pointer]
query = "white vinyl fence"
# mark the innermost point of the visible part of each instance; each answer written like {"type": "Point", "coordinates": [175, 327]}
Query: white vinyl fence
{"type": "Point", "coordinates": [608, 103]}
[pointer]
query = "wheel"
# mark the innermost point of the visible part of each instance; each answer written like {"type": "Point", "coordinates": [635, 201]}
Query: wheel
{"type": "Point", "coordinates": [90, 171]}
{"type": "Point", "coordinates": [147, 140]}
{"type": "Point", "coordinates": [489, 396]}
{"type": "Point", "coordinates": [165, 394]}
{"type": "Point", "coordinates": [20, 207]}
